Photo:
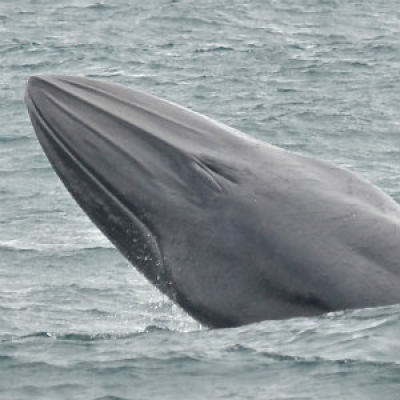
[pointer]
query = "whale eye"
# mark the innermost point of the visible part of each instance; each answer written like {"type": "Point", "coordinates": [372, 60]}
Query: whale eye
{"type": "Point", "coordinates": [207, 178]}
{"type": "Point", "coordinates": [218, 168]}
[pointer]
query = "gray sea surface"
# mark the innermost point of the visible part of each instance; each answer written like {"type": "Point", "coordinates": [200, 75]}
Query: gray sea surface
{"type": "Point", "coordinates": [320, 77]}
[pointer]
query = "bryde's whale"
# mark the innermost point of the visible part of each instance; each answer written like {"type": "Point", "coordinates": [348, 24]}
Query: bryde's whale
{"type": "Point", "coordinates": [232, 229]}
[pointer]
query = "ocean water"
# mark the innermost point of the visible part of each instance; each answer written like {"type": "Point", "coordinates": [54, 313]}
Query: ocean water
{"type": "Point", "coordinates": [320, 77]}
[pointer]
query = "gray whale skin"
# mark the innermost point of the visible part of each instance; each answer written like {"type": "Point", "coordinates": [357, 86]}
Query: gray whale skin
{"type": "Point", "coordinates": [232, 229]}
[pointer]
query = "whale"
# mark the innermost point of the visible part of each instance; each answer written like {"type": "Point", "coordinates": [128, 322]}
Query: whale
{"type": "Point", "coordinates": [232, 229]}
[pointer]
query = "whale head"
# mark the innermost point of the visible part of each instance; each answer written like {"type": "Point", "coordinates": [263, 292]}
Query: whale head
{"type": "Point", "coordinates": [150, 174]}
{"type": "Point", "coordinates": [232, 229]}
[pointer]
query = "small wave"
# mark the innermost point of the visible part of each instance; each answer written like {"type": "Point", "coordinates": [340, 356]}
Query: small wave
{"type": "Point", "coordinates": [99, 6]}
{"type": "Point", "coordinates": [215, 49]}
{"type": "Point", "coordinates": [5, 247]}
{"type": "Point", "coordinates": [317, 360]}
{"type": "Point", "coordinates": [238, 348]}
{"type": "Point", "coordinates": [19, 309]}
{"type": "Point", "coordinates": [74, 336]}
{"type": "Point", "coordinates": [286, 90]}
{"type": "Point", "coordinates": [156, 328]}
{"type": "Point", "coordinates": [183, 20]}
{"type": "Point", "coordinates": [54, 249]}
{"type": "Point", "coordinates": [88, 337]}
{"type": "Point", "coordinates": [34, 66]}
{"type": "Point", "coordinates": [15, 139]}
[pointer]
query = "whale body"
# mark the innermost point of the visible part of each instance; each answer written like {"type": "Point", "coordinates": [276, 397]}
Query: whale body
{"type": "Point", "coordinates": [232, 229]}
